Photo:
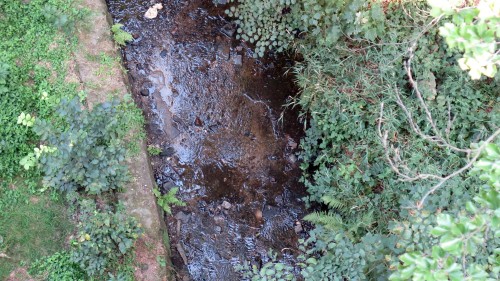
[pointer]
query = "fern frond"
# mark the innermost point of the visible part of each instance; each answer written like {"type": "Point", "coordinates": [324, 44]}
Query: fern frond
{"type": "Point", "coordinates": [167, 200]}
{"type": "Point", "coordinates": [327, 219]}
{"type": "Point", "coordinates": [121, 37]}
{"type": "Point", "coordinates": [334, 203]}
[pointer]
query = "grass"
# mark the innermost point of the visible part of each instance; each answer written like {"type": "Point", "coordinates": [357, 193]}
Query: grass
{"type": "Point", "coordinates": [37, 41]}
{"type": "Point", "coordinates": [34, 227]}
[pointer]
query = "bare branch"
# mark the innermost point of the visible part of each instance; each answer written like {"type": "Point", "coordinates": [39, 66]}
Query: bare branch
{"type": "Point", "coordinates": [437, 138]}
{"type": "Point", "coordinates": [406, 177]}
{"type": "Point", "coordinates": [461, 170]}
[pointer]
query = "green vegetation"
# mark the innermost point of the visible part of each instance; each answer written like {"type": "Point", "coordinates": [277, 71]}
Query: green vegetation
{"type": "Point", "coordinates": [104, 236]}
{"type": "Point", "coordinates": [88, 150]}
{"type": "Point", "coordinates": [31, 226]}
{"type": "Point", "coordinates": [58, 267]}
{"type": "Point", "coordinates": [271, 270]}
{"type": "Point", "coordinates": [153, 150]}
{"type": "Point", "coordinates": [392, 126]}
{"type": "Point", "coordinates": [167, 200]}
{"type": "Point", "coordinates": [51, 144]}
{"type": "Point", "coordinates": [121, 37]}
{"type": "Point", "coordinates": [33, 54]}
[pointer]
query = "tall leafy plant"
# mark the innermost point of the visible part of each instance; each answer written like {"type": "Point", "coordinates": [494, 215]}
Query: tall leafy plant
{"type": "Point", "coordinates": [89, 151]}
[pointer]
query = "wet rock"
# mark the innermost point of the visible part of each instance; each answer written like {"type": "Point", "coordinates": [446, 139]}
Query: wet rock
{"type": "Point", "coordinates": [223, 51]}
{"type": "Point", "coordinates": [291, 143]}
{"type": "Point", "coordinates": [229, 29]}
{"type": "Point", "coordinates": [167, 152]}
{"type": "Point", "coordinates": [219, 220]}
{"type": "Point", "coordinates": [298, 227]}
{"type": "Point", "coordinates": [198, 122]}
{"type": "Point", "coordinates": [237, 60]}
{"type": "Point", "coordinates": [258, 214]}
{"type": "Point", "coordinates": [163, 54]}
{"type": "Point", "coordinates": [226, 205]}
{"type": "Point", "coordinates": [166, 186]}
{"type": "Point", "coordinates": [183, 217]}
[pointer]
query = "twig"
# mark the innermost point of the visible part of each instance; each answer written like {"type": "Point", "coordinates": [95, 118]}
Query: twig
{"type": "Point", "coordinates": [438, 139]}
{"type": "Point", "coordinates": [461, 170]}
{"type": "Point", "coordinates": [384, 136]}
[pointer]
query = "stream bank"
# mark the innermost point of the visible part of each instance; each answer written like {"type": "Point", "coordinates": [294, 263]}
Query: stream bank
{"type": "Point", "coordinates": [215, 113]}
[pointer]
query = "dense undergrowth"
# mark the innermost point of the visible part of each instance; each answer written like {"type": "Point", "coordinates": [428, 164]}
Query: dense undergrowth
{"type": "Point", "coordinates": [390, 112]}
{"type": "Point", "coordinates": [60, 162]}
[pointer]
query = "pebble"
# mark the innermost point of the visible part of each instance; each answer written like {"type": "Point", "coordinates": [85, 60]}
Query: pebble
{"type": "Point", "coordinates": [198, 122]}
{"type": "Point", "coordinates": [218, 229]}
{"type": "Point", "coordinates": [298, 227]}
{"type": "Point", "coordinates": [219, 219]}
{"type": "Point", "coordinates": [238, 60]}
{"type": "Point", "coordinates": [229, 29]}
{"type": "Point", "coordinates": [167, 152]}
{"type": "Point", "coordinates": [258, 214]}
{"type": "Point", "coordinates": [226, 205]}
{"type": "Point", "coordinates": [145, 92]}
{"type": "Point", "coordinates": [163, 53]}
{"type": "Point", "coordinates": [181, 216]}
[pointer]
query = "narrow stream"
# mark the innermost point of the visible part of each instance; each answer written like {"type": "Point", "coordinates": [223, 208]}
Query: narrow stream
{"type": "Point", "coordinates": [215, 112]}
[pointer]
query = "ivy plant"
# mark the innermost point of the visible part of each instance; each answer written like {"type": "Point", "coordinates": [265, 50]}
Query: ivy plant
{"type": "Point", "coordinates": [103, 237]}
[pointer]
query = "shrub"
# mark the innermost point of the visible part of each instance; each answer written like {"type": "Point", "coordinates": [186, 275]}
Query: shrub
{"type": "Point", "coordinates": [104, 237]}
{"type": "Point", "coordinates": [465, 244]}
{"type": "Point", "coordinates": [356, 56]}
{"type": "Point", "coordinates": [274, 24]}
{"type": "Point", "coordinates": [89, 148]}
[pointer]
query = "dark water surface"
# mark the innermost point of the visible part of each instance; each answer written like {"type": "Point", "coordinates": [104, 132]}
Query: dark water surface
{"type": "Point", "coordinates": [215, 113]}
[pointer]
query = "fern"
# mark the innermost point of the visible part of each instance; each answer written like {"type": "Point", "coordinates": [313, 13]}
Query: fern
{"type": "Point", "coordinates": [120, 36]}
{"type": "Point", "coordinates": [335, 222]}
{"type": "Point", "coordinates": [329, 220]}
{"type": "Point", "coordinates": [334, 203]}
{"type": "Point", "coordinates": [167, 200]}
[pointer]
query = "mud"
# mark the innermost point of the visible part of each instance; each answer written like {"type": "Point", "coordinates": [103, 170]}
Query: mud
{"type": "Point", "coordinates": [215, 112]}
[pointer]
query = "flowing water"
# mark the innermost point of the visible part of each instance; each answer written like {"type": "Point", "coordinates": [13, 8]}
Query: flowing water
{"type": "Point", "coordinates": [215, 113]}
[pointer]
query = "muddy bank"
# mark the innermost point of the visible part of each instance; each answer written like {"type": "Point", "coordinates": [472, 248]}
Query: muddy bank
{"type": "Point", "coordinates": [214, 112]}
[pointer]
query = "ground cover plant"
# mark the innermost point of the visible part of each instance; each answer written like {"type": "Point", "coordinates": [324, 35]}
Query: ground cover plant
{"type": "Point", "coordinates": [51, 146]}
{"type": "Point", "coordinates": [33, 54]}
{"type": "Point", "coordinates": [396, 96]}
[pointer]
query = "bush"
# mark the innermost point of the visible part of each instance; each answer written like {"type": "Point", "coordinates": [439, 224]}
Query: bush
{"type": "Point", "coordinates": [104, 237]}
{"type": "Point", "coordinates": [89, 148]}
{"type": "Point", "coordinates": [357, 56]}
{"type": "Point", "coordinates": [274, 24]}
